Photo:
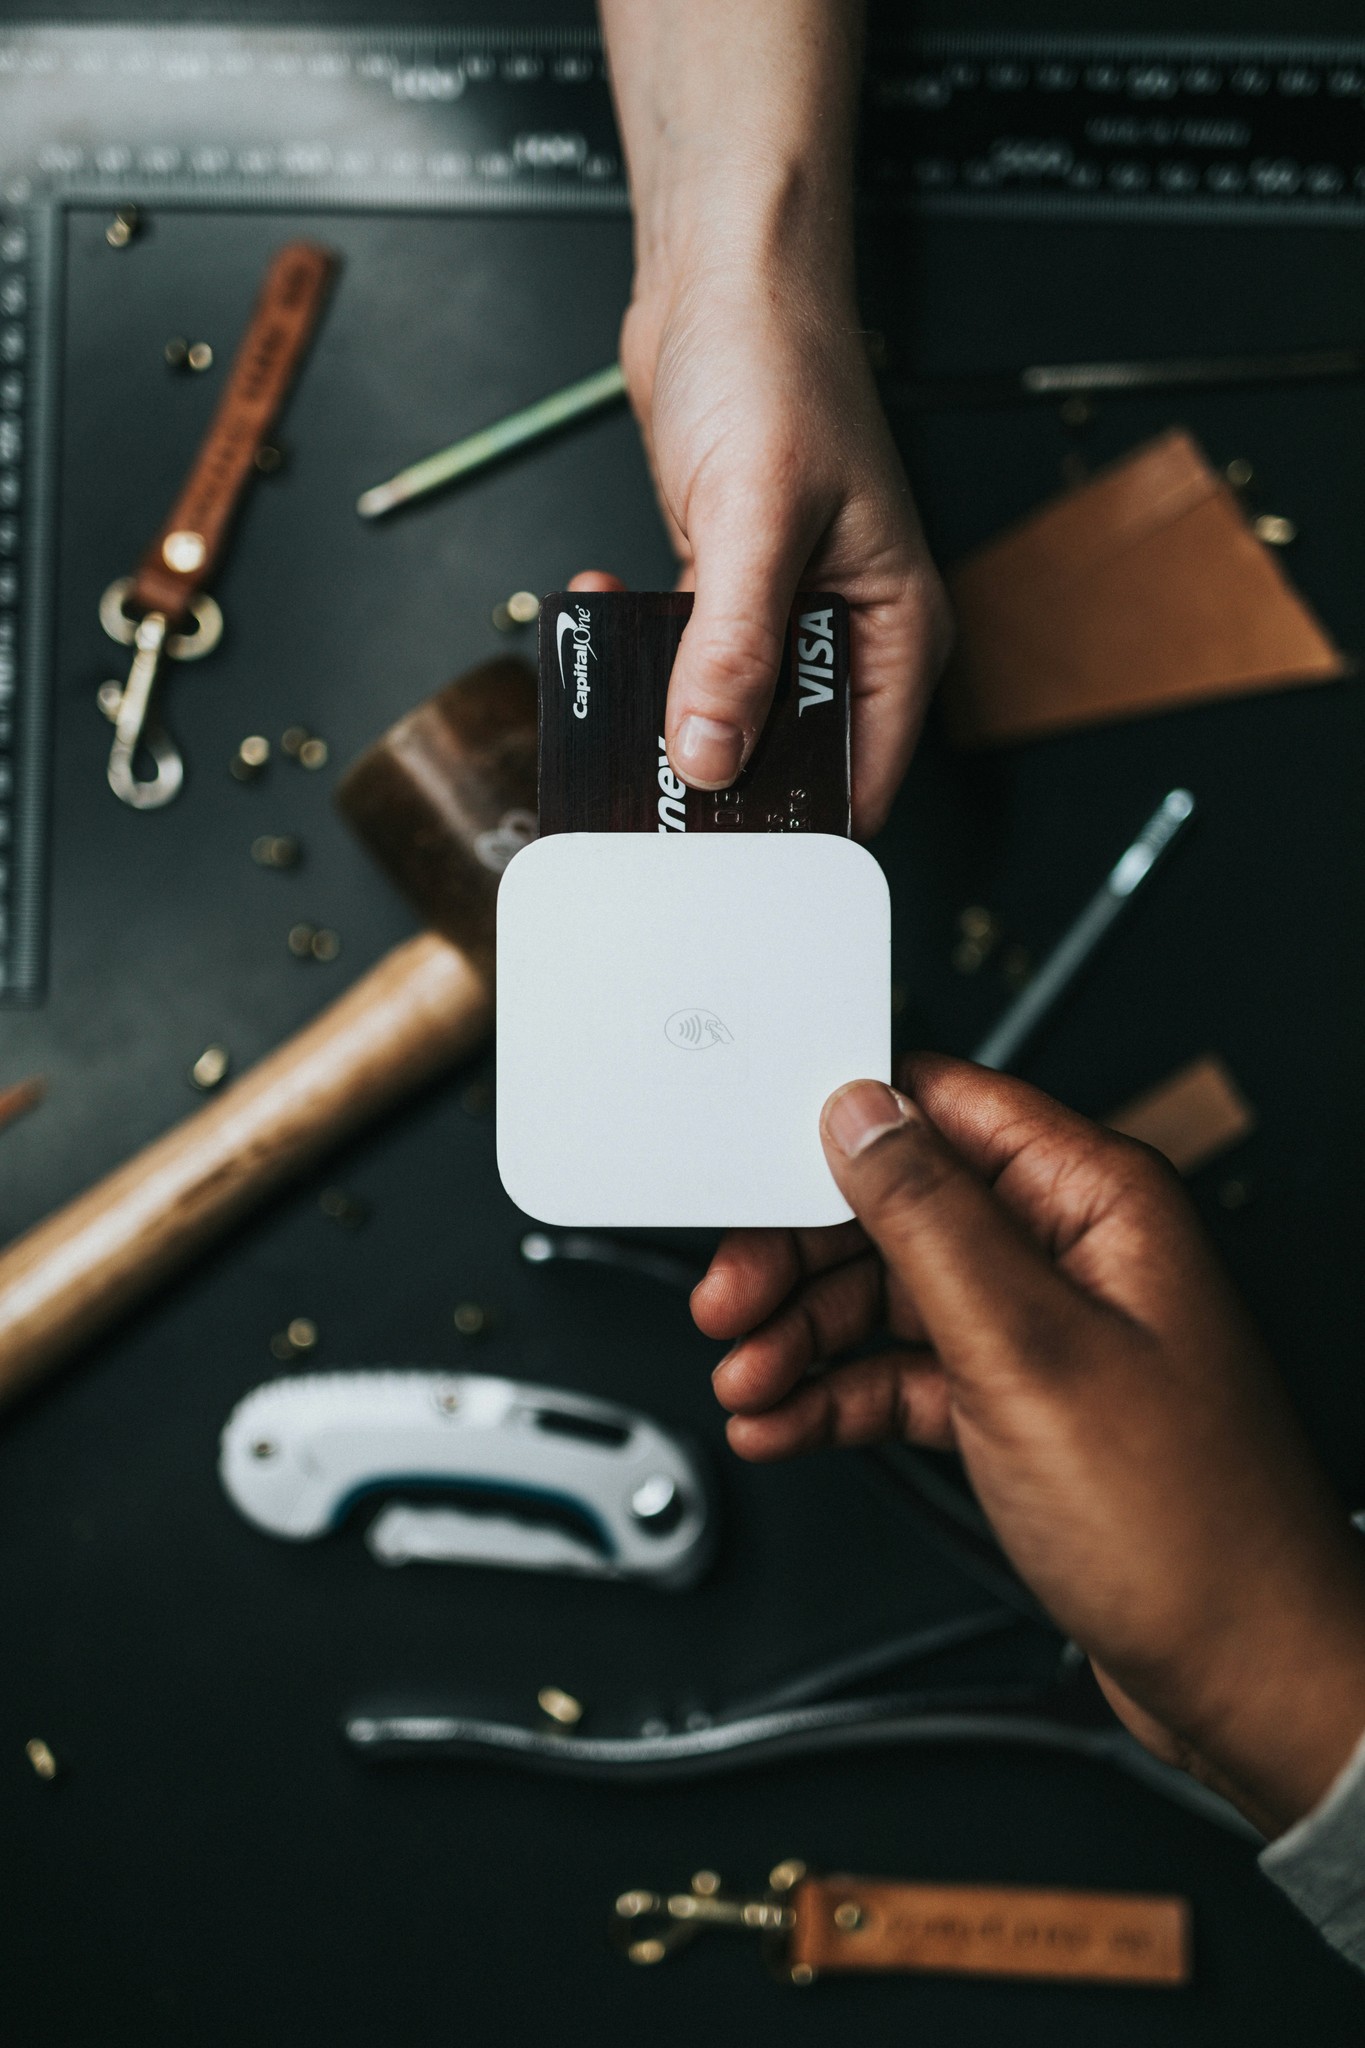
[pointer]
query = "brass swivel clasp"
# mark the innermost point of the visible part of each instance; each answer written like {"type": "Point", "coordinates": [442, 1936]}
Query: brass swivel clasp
{"type": "Point", "coordinates": [651, 1926]}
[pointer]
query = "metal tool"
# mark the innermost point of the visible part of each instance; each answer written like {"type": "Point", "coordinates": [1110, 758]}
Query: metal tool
{"type": "Point", "coordinates": [537, 1477]}
{"type": "Point", "coordinates": [163, 609]}
{"type": "Point", "coordinates": [476, 451]}
{"type": "Point", "coordinates": [1057, 972]}
{"type": "Point", "coordinates": [1055, 382]}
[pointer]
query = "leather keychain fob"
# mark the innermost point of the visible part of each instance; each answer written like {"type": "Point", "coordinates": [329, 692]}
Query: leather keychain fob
{"type": "Point", "coordinates": [832, 1926]}
{"type": "Point", "coordinates": [164, 609]}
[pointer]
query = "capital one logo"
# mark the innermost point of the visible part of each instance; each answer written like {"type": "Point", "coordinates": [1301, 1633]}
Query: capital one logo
{"type": "Point", "coordinates": [574, 637]}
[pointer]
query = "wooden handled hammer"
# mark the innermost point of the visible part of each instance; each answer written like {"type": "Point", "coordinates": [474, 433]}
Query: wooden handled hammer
{"type": "Point", "coordinates": [444, 798]}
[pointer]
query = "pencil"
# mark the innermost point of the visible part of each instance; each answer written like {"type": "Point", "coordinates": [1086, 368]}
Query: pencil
{"type": "Point", "coordinates": [574, 402]}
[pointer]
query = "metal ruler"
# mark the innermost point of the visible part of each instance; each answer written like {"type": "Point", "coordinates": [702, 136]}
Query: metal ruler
{"type": "Point", "coordinates": [409, 119]}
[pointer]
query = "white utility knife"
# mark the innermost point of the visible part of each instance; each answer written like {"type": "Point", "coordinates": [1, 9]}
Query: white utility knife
{"type": "Point", "coordinates": [478, 1471]}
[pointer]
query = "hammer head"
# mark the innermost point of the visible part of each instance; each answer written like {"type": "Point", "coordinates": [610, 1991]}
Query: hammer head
{"type": "Point", "coordinates": [444, 798]}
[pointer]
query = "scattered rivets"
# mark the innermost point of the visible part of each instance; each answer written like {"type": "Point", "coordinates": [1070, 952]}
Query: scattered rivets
{"type": "Point", "coordinates": [199, 356]}
{"type": "Point", "coordinates": [300, 940]}
{"type": "Point", "coordinates": [313, 754]}
{"type": "Point", "coordinates": [250, 758]}
{"type": "Point", "coordinates": [784, 1876]}
{"type": "Point", "coordinates": [706, 1883]}
{"type": "Point", "coordinates": [269, 459]}
{"type": "Point", "coordinates": [1076, 411]}
{"type": "Point", "coordinates": [275, 850]}
{"type": "Point", "coordinates": [41, 1758]}
{"type": "Point", "coordinates": [522, 608]}
{"type": "Point", "coordinates": [325, 945]}
{"type": "Point", "coordinates": [471, 1318]}
{"type": "Point", "coordinates": [264, 1449]}
{"type": "Point", "coordinates": [848, 1915]}
{"type": "Point", "coordinates": [1274, 530]}
{"type": "Point", "coordinates": [343, 1208]}
{"type": "Point", "coordinates": [123, 227]}
{"type": "Point", "coordinates": [976, 922]}
{"type": "Point", "coordinates": [292, 738]}
{"type": "Point", "coordinates": [560, 1706]}
{"type": "Point", "coordinates": [968, 955]}
{"type": "Point", "coordinates": [184, 551]}
{"type": "Point", "coordinates": [176, 352]}
{"type": "Point", "coordinates": [210, 1069]}
{"type": "Point", "coordinates": [649, 1951]}
{"type": "Point", "coordinates": [631, 1905]}
{"type": "Point", "coordinates": [801, 1973]}
{"type": "Point", "coordinates": [1239, 472]}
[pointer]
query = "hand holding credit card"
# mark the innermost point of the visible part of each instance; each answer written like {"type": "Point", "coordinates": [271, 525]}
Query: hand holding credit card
{"type": "Point", "coordinates": [605, 661]}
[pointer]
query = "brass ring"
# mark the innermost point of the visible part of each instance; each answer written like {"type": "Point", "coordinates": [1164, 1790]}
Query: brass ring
{"type": "Point", "coordinates": [206, 611]}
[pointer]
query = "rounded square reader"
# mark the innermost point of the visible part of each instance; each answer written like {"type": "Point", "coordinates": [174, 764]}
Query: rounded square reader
{"type": "Point", "coordinates": [673, 1012]}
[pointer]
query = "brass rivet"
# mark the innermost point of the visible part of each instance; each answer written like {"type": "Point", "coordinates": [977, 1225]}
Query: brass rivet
{"type": "Point", "coordinates": [122, 228]}
{"type": "Point", "coordinates": [210, 1069]}
{"type": "Point", "coordinates": [706, 1883]}
{"type": "Point", "coordinates": [631, 1905]}
{"type": "Point", "coordinates": [523, 607]}
{"type": "Point", "coordinates": [848, 1915]}
{"type": "Point", "coordinates": [976, 922]}
{"type": "Point", "coordinates": [199, 356]}
{"type": "Point", "coordinates": [313, 753]}
{"type": "Point", "coordinates": [471, 1318]}
{"type": "Point", "coordinates": [176, 352]}
{"type": "Point", "coordinates": [1016, 965]}
{"type": "Point", "coordinates": [1239, 472]}
{"type": "Point", "coordinates": [1275, 531]}
{"type": "Point", "coordinates": [650, 1951]}
{"type": "Point", "coordinates": [269, 459]}
{"type": "Point", "coordinates": [275, 850]}
{"type": "Point", "coordinates": [250, 757]}
{"type": "Point", "coordinates": [560, 1706]}
{"type": "Point", "coordinates": [292, 738]}
{"type": "Point", "coordinates": [41, 1758]}
{"type": "Point", "coordinates": [802, 1973]}
{"type": "Point", "coordinates": [968, 956]}
{"type": "Point", "coordinates": [324, 945]}
{"type": "Point", "coordinates": [783, 1876]}
{"type": "Point", "coordinates": [300, 941]}
{"type": "Point", "coordinates": [184, 551]}
{"type": "Point", "coordinates": [302, 1333]}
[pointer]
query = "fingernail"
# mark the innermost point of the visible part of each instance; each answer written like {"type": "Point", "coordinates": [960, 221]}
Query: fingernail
{"type": "Point", "coordinates": [863, 1112]}
{"type": "Point", "coordinates": [706, 753]}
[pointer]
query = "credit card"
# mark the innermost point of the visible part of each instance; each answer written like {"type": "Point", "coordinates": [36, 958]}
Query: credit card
{"type": "Point", "coordinates": [605, 660]}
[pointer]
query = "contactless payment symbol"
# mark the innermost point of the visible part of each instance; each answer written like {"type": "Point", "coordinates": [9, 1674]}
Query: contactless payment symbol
{"type": "Point", "coordinates": [695, 1030]}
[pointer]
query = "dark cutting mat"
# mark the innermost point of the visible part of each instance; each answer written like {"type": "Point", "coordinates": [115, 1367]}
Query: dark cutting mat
{"type": "Point", "coordinates": [214, 1868]}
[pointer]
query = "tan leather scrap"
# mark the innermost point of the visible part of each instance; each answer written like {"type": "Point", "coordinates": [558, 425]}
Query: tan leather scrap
{"type": "Point", "coordinates": [856, 1923]}
{"type": "Point", "coordinates": [1139, 590]}
{"type": "Point", "coordinates": [181, 559]}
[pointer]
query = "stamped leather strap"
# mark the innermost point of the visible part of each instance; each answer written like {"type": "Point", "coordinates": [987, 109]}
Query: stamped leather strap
{"type": "Point", "coordinates": [182, 558]}
{"type": "Point", "coordinates": [855, 1923]}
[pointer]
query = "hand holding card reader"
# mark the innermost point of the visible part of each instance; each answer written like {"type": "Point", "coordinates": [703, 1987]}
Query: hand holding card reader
{"type": "Point", "coordinates": [677, 996]}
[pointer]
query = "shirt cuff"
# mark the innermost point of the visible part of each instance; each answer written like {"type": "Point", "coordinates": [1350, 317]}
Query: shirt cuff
{"type": "Point", "coordinates": [1320, 1862]}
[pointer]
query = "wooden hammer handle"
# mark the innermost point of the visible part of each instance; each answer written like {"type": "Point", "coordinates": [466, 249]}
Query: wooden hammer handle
{"type": "Point", "coordinates": [419, 1010]}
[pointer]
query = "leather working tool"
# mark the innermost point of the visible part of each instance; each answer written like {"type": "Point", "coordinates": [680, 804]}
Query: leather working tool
{"type": "Point", "coordinates": [163, 608]}
{"type": "Point", "coordinates": [451, 791]}
{"type": "Point", "coordinates": [825, 1926]}
{"type": "Point", "coordinates": [503, 1473]}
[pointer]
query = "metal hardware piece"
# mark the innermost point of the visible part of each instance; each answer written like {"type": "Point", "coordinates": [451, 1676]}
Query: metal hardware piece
{"type": "Point", "coordinates": [123, 227]}
{"type": "Point", "coordinates": [651, 1926]}
{"type": "Point", "coordinates": [135, 730]}
{"type": "Point", "coordinates": [250, 758]}
{"type": "Point", "coordinates": [211, 1067]}
{"type": "Point", "coordinates": [40, 1756]}
{"type": "Point", "coordinates": [561, 1706]}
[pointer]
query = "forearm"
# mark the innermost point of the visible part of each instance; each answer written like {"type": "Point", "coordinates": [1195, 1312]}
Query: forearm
{"type": "Point", "coordinates": [737, 118]}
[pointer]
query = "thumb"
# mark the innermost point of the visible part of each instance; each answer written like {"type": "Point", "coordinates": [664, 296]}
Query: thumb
{"type": "Point", "coordinates": [988, 1296]}
{"type": "Point", "coordinates": [744, 574]}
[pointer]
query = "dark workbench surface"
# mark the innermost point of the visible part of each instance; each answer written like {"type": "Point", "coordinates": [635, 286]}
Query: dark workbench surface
{"type": "Point", "coordinates": [213, 1867]}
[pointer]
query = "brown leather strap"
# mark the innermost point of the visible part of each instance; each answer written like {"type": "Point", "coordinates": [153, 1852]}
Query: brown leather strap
{"type": "Point", "coordinates": [855, 1923]}
{"type": "Point", "coordinates": [183, 556]}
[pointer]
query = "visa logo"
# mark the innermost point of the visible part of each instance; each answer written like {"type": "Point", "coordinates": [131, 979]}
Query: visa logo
{"type": "Point", "coordinates": [815, 659]}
